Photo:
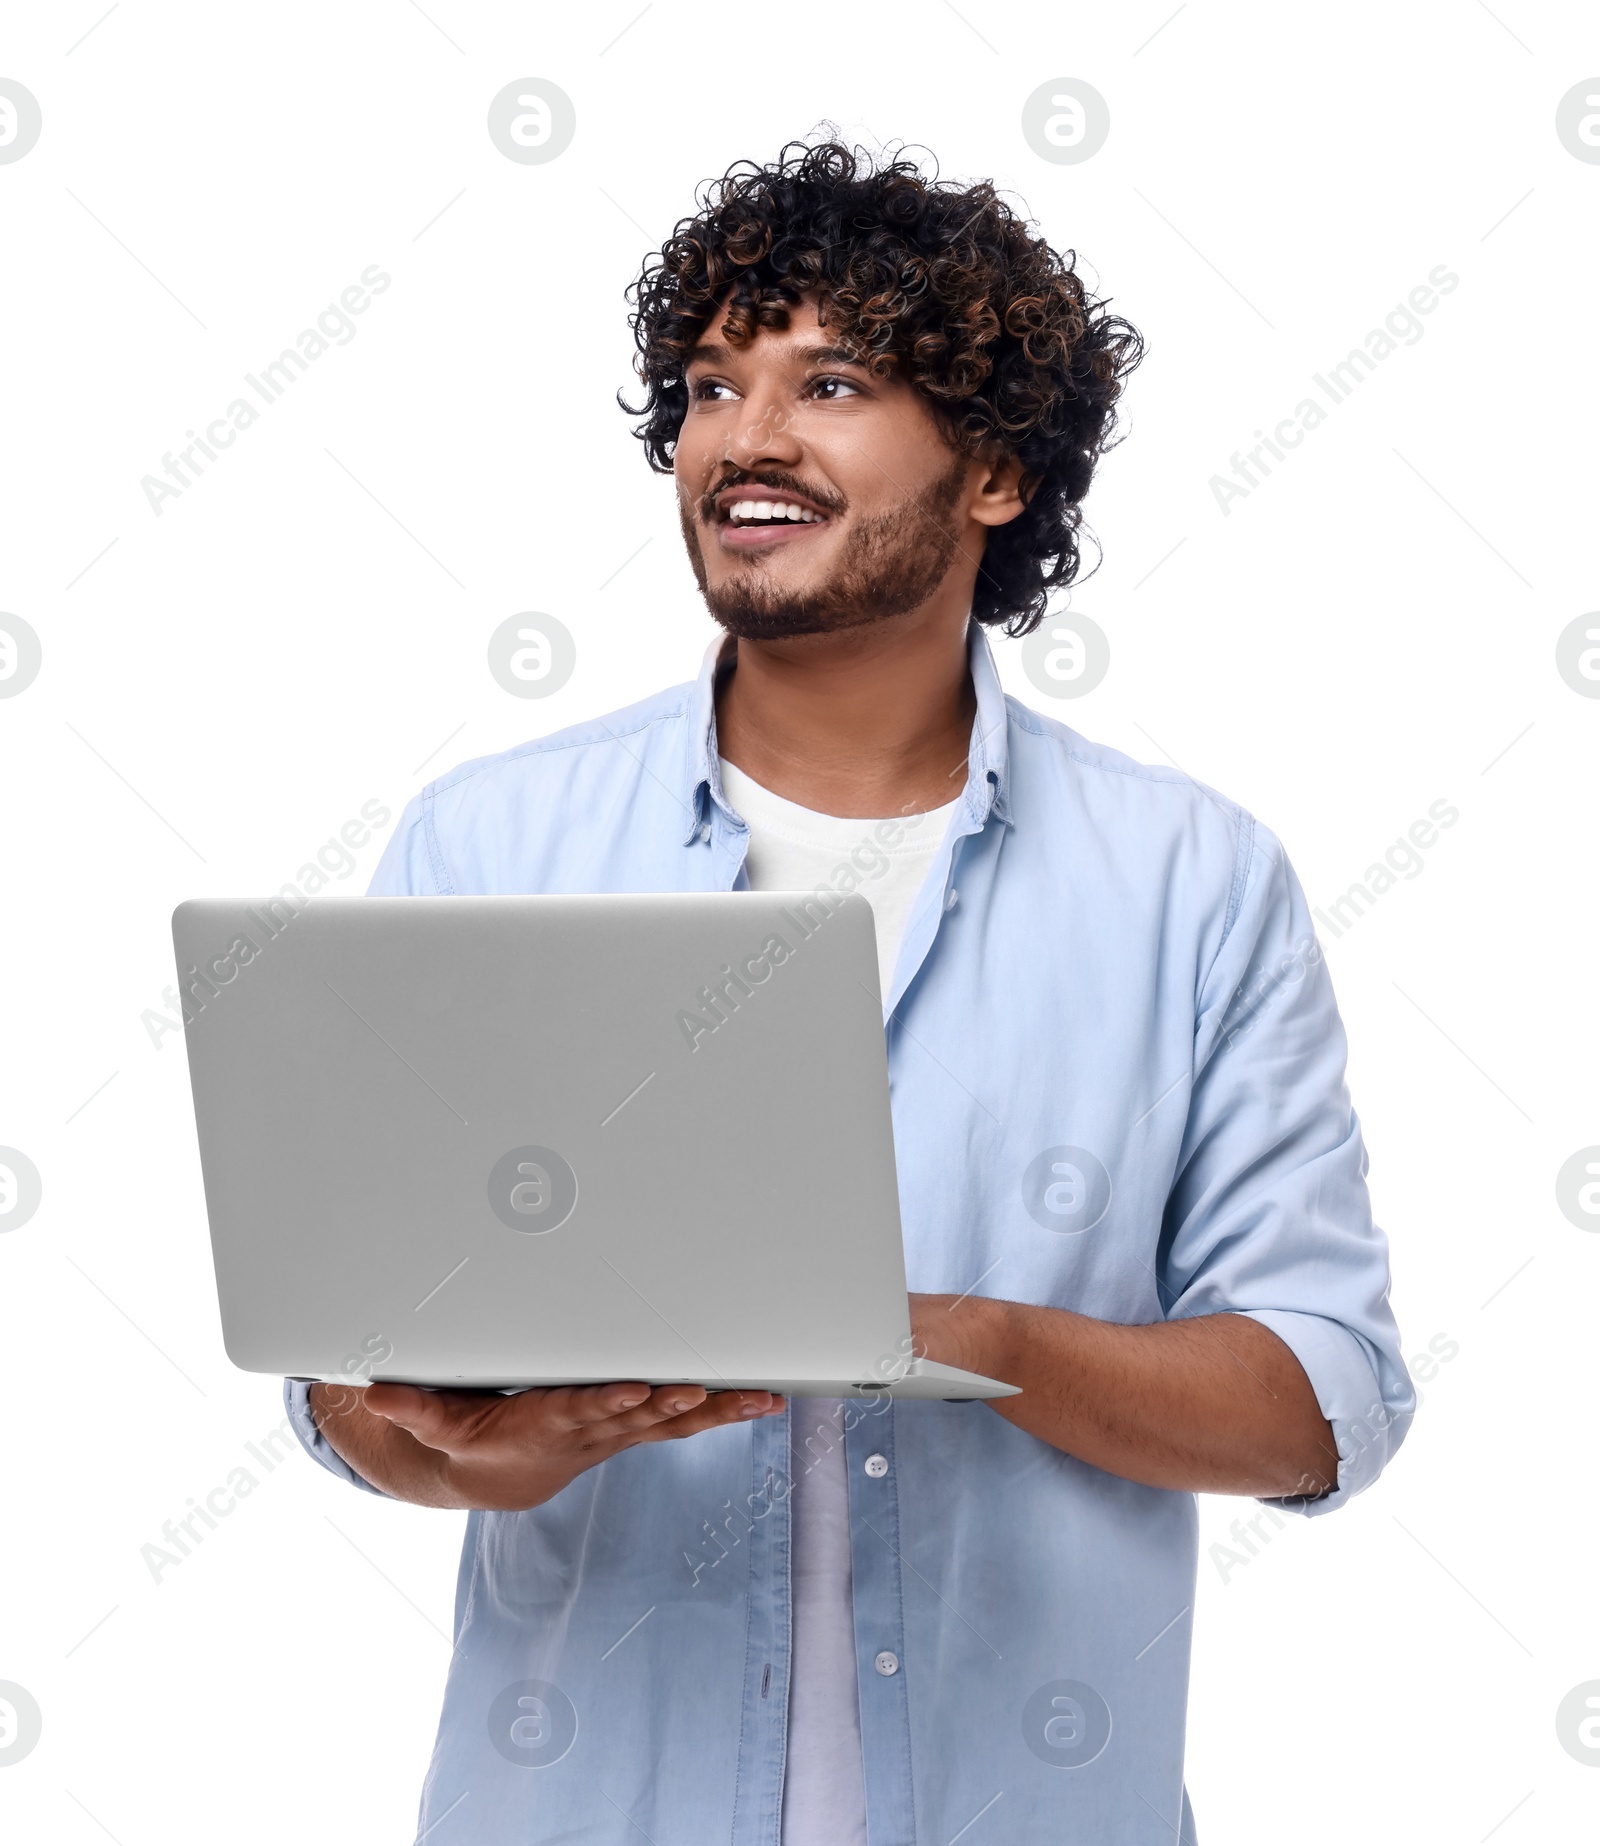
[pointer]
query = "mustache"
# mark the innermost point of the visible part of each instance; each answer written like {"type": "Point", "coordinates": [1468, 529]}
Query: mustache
{"type": "Point", "coordinates": [775, 480]}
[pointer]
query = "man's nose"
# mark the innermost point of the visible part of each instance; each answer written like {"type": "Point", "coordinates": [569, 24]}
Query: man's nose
{"type": "Point", "coordinates": [766, 431]}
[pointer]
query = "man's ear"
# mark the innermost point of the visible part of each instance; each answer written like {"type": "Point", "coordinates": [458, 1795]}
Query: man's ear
{"type": "Point", "coordinates": [999, 495]}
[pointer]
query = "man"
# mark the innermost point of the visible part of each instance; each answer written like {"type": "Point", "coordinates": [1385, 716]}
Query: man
{"type": "Point", "coordinates": [1131, 1179]}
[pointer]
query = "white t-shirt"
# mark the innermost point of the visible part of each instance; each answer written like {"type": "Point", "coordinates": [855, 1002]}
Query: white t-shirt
{"type": "Point", "coordinates": [824, 1792]}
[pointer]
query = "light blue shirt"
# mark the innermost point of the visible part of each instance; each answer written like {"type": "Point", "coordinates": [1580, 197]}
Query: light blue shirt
{"type": "Point", "coordinates": [1117, 1073]}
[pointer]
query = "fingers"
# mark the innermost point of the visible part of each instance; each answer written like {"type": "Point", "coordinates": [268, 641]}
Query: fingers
{"type": "Point", "coordinates": [576, 1406]}
{"type": "Point", "coordinates": [619, 1412]}
{"type": "Point", "coordinates": [663, 1405]}
{"type": "Point", "coordinates": [606, 1411]}
{"type": "Point", "coordinates": [674, 1411]}
{"type": "Point", "coordinates": [558, 1406]}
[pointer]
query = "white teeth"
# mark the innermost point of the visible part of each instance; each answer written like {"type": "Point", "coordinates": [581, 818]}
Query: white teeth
{"type": "Point", "coordinates": [747, 510]}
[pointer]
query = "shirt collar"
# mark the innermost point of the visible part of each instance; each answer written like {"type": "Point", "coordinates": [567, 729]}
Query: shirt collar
{"type": "Point", "coordinates": [988, 763]}
{"type": "Point", "coordinates": [989, 755]}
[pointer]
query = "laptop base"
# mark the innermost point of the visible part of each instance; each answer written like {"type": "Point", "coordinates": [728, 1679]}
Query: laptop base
{"type": "Point", "coordinates": [919, 1379]}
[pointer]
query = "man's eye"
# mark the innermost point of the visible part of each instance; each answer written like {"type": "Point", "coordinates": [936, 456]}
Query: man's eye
{"type": "Point", "coordinates": [831, 387]}
{"type": "Point", "coordinates": [703, 388]}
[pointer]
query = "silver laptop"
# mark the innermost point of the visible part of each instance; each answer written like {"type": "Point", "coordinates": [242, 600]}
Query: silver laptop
{"type": "Point", "coordinates": [502, 1142]}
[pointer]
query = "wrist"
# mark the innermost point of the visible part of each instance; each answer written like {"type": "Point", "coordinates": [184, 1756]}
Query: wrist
{"type": "Point", "coordinates": [984, 1333]}
{"type": "Point", "coordinates": [1000, 1340]}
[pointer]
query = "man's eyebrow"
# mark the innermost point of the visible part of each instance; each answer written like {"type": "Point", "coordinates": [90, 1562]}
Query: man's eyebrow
{"type": "Point", "coordinates": [712, 352]}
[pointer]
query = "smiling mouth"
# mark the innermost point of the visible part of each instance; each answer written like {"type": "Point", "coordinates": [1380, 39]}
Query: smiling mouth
{"type": "Point", "coordinates": [751, 521]}
{"type": "Point", "coordinates": [746, 513]}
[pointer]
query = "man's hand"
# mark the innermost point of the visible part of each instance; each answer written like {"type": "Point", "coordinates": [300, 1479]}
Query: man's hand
{"type": "Point", "coordinates": [478, 1449]}
{"type": "Point", "coordinates": [1214, 1404]}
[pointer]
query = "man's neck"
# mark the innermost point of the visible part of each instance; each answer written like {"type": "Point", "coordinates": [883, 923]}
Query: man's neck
{"type": "Point", "coordinates": [866, 722]}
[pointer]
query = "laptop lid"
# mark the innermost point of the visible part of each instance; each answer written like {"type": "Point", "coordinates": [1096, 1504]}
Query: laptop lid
{"type": "Point", "coordinates": [514, 1140]}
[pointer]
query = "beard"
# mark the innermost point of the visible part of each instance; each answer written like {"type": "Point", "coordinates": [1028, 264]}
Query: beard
{"type": "Point", "coordinates": [891, 564]}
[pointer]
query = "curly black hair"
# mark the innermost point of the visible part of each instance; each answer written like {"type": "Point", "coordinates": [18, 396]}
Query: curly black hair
{"type": "Point", "coordinates": [989, 322]}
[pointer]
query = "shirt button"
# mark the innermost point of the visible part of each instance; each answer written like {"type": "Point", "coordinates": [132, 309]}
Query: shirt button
{"type": "Point", "coordinates": [887, 1664]}
{"type": "Point", "coordinates": [877, 1466]}
{"type": "Point", "coordinates": [950, 901]}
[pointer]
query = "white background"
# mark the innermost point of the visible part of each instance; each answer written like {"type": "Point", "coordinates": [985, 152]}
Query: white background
{"type": "Point", "coordinates": [1370, 631]}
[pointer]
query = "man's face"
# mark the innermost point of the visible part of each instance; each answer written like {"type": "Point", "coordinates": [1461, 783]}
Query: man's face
{"type": "Point", "coordinates": [813, 496]}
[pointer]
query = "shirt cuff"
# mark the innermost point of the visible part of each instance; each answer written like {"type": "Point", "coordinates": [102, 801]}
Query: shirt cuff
{"type": "Point", "coordinates": [297, 1401]}
{"type": "Point", "coordinates": [1369, 1421]}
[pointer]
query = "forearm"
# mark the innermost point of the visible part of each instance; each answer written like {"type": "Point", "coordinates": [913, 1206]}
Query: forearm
{"type": "Point", "coordinates": [380, 1451]}
{"type": "Point", "coordinates": [1216, 1404]}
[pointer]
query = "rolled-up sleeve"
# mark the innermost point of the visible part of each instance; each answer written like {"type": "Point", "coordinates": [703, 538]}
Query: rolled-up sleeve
{"type": "Point", "coordinates": [1269, 1214]}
